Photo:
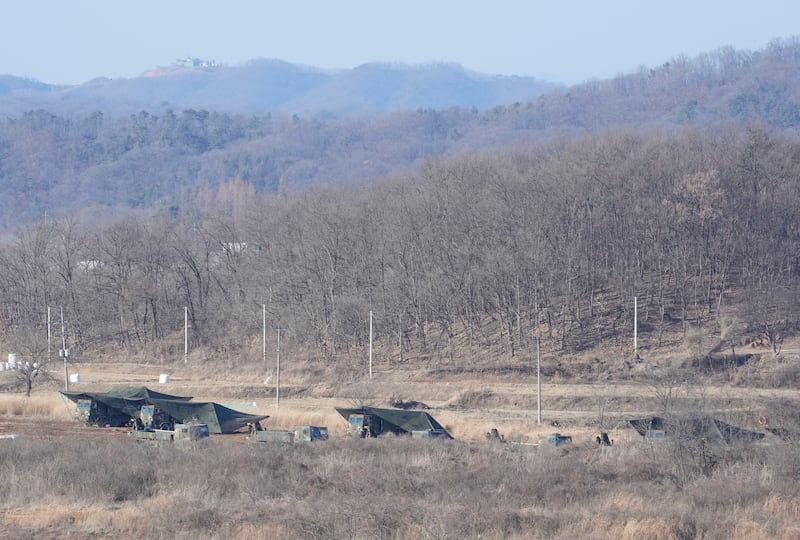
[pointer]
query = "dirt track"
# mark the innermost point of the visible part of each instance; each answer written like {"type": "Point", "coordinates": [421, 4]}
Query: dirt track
{"type": "Point", "coordinates": [468, 406]}
{"type": "Point", "coordinates": [45, 428]}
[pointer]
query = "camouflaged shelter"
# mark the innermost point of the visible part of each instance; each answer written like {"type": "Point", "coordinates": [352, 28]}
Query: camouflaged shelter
{"type": "Point", "coordinates": [699, 427]}
{"type": "Point", "coordinates": [373, 422]}
{"type": "Point", "coordinates": [122, 405]}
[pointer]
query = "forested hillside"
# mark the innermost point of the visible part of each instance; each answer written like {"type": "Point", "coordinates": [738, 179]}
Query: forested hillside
{"type": "Point", "coordinates": [57, 164]}
{"type": "Point", "coordinates": [694, 223]}
{"type": "Point", "coordinates": [677, 185]}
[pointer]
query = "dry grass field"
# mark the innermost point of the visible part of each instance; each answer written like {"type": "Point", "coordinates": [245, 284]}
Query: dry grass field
{"type": "Point", "coordinates": [65, 480]}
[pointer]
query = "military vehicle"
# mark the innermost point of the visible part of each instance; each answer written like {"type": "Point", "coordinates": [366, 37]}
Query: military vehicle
{"type": "Point", "coordinates": [144, 427]}
{"type": "Point", "coordinates": [555, 439]}
{"type": "Point", "coordinates": [182, 432]}
{"type": "Point", "coordinates": [298, 434]}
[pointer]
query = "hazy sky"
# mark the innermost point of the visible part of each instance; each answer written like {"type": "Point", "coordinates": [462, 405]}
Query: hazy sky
{"type": "Point", "coordinates": [569, 41]}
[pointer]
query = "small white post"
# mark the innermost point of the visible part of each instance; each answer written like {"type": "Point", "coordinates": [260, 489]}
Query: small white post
{"type": "Point", "coordinates": [370, 344]}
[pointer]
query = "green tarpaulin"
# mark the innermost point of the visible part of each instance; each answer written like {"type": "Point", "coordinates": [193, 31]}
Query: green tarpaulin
{"type": "Point", "coordinates": [699, 427]}
{"type": "Point", "coordinates": [398, 421]}
{"type": "Point", "coordinates": [218, 418]}
{"type": "Point", "coordinates": [122, 404]}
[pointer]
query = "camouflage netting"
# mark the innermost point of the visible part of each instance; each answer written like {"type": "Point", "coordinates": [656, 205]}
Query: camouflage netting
{"type": "Point", "coordinates": [122, 404]}
{"type": "Point", "coordinates": [706, 428]}
{"type": "Point", "coordinates": [398, 421]}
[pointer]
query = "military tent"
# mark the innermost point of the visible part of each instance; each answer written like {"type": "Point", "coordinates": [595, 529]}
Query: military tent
{"type": "Point", "coordinates": [695, 427]}
{"type": "Point", "coordinates": [119, 406]}
{"type": "Point", "coordinates": [784, 434]}
{"type": "Point", "coordinates": [398, 421]}
{"type": "Point", "coordinates": [218, 418]}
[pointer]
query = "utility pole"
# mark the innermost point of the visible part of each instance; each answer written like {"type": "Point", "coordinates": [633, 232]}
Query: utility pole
{"type": "Point", "coordinates": [49, 337]}
{"type": "Point", "coordinates": [400, 336]}
{"type": "Point", "coordinates": [278, 374]}
{"type": "Point", "coordinates": [264, 332]}
{"type": "Point", "coordinates": [370, 344]}
{"type": "Point", "coordinates": [185, 335]}
{"type": "Point", "coordinates": [538, 385]}
{"type": "Point", "coordinates": [64, 352]}
{"type": "Point", "coordinates": [635, 328]}
{"type": "Point", "coordinates": [538, 366]}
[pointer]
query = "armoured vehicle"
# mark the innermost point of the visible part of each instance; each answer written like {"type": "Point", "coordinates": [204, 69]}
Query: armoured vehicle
{"type": "Point", "coordinates": [155, 425]}
{"type": "Point", "coordinates": [298, 434]}
{"type": "Point", "coordinates": [555, 439]}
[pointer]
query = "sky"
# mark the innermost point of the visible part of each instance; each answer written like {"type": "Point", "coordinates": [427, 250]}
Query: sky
{"type": "Point", "coordinates": [563, 41]}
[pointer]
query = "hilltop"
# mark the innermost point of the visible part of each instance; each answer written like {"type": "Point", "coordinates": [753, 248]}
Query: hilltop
{"type": "Point", "coordinates": [272, 86]}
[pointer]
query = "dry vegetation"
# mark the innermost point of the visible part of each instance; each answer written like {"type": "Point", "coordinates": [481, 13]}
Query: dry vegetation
{"type": "Point", "coordinates": [392, 488]}
{"type": "Point", "coordinates": [63, 480]}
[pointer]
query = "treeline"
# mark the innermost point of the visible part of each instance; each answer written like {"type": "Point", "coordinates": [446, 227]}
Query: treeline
{"type": "Point", "coordinates": [727, 85]}
{"type": "Point", "coordinates": [554, 240]}
{"type": "Point", "coordinates": [60, 165]}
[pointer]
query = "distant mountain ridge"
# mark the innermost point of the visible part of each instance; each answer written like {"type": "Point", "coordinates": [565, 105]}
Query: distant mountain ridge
{"type": "Point", "coordinates": [274, 86]}
{"type": "Point", "coordinates": [124, 154]}
{"type": "Point", "coordinates": [10, 85]}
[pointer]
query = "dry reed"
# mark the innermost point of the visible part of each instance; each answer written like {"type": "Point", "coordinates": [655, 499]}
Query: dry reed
{"type": "Point", "coordinates": [388, 488]}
